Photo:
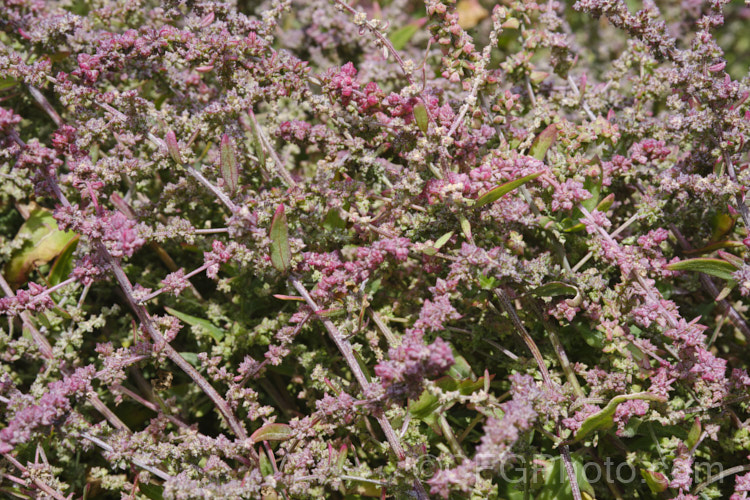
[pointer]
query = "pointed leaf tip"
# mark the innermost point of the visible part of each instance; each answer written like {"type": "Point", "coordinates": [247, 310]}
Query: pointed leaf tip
{"type": "Point", "coordinates": [229, 170]}
{"type": "Point", "coordinates": [503, 189]}
{"type": "Point", "coordinates": [173, 147]}
{"type": "Point", "coordinates": [543, 141]}
{"type": "Point", "coordinates": [420, 115]}
{"type": "Point", "coordinates": [281, 252]}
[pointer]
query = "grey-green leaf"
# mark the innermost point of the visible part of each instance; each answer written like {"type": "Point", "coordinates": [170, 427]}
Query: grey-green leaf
{"type": "Point", "coordinates": [715, 267]}
{"type": "Point", "coordinates": [230, 172]}
{"type": "Point", "coordinates": [281, 252]}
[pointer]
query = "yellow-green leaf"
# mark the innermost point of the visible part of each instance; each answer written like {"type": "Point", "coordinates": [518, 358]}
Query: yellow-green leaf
{"type": "Point", "coordinates": [272, 432]}
{"type": "Point", "coordinates": [281, 252]}
{"type": "Point", "coordinates": [542, 142]}
{"type": "Point", "coordinates": [43, 242]}
{"type": "Point", "coordinates": [503, 189]}
{"type": "Point", "coordinates": [656, 481]}
{"type": "Point", "coordinates": [420, 115]}
{"type": "Point", "coordinates": [401, 36]}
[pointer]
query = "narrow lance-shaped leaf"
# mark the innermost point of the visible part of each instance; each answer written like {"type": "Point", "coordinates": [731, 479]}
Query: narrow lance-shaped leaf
{"type": "Point", "coordinates": [438, 244]}
{"type": "Point", "coordinates": [503, 189]}
{"type": "Point", "coordinates": [542, 142]}
{"type": "Point", "coordinates": [553, 289]}
{"type": "Point", "coordinates": [465, 227]}
{"type": "Point", "coordinates": [213, 330]}
{"type": "Point", "coordinates": [281, 253]}
{"type": "Point", "coordinates": [229, 170]}
{"type": "Point", "coordinates": [695, 434]}
{"type": "Point", "coordinates": [173, 147]}
{"type": "Point", "coordinates": [715, 267]}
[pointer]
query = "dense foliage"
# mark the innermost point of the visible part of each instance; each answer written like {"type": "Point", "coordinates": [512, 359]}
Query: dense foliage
{"type": "Point", "coordinates": [306, 249]}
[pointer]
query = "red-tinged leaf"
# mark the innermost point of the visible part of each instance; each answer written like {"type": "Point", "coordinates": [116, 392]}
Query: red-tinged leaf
{"type": "Point", "coordinates": [503, 189]}
{"type": "Point", "coordinates": [694, 434]}
{"type": "Point", "coordinates": [715, 267]}
{"type": "Point", "coordinates": [543, 142]}
{"type": "Point", "coordinates": [230, 172]}
{"type": "Point", "coordinates": [714, 246]}
{"type": "Point", "coordinates": [281, 252]}
{"type": "Point", "coordinates": [38, 241]}
{"type": "Point", "coordinates": [272, 432]}
{"type": "Point", "coordinates": [289, 297]}
{"type": "Point", "coordinates": [173, 147]}
{"type": "Point", "coordinates": [656, 481]}
{"type": "Point", "coordinates": [731, 258]}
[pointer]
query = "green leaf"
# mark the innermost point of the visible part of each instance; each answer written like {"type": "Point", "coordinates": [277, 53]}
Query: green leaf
{"type": "Point", "coordinates": [266, 468]}
{"type": "Point", "coordinates": [215, 332]}
{"type": "Point", "coordinates": [425, 406]}
{"type": "Point", "coordinates": [281, 253]}
{"type": "Point", "coordinates": [272, 432]}
{"type": "Point", "coordinates": [420, 115]}
{"type": "Point", "coordinates": [191, 358]}
{"type": "Point", "coordinates": [432, 250]}
{"type": "Point", "coordinates": [461, 369]}
{"type": "Point", "coordinates": [694, 434]}
{"type": "Point", "coordinates": [715, 267]}
{"type": "Point", "coordinates": [656, 481]}
{"type": "Point", "coordinates": [603, 419]}
{"type": "Point", "coordinates": [401, 36]}
{"type": "Point", "coordinates": [487, 282]}
{"type": "Point", "coordinates": [333, 220]}
{"type": "Point", "coordinates": [553, 289]}
{"type": "Point", "coordinates": [721, 224]}
{"type": "Point", "coordinates": [152, 491]}
{"type": "Point", "coordinates": [542, 142]}
{"type": "Point", "coordinates": [594, 186]}
{"type": "Point", "coordinates": [230, 171]}
{"type": "Point", "coordinates": [6, 83]}
{"type": "Point", "coordinates": [63, 264]}
{"type": "Point", "coordinates": [43, 241]}
{"type": "Point", "coordinates": [465, 227]}
{"type": "Point", "coordinates": [503, 189]}
{"type": "Point", "coordinates": [557, 485]}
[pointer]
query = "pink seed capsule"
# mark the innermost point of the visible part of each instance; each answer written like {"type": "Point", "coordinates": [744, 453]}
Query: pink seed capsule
{"type": "Point", "coordinates": [204, 69]}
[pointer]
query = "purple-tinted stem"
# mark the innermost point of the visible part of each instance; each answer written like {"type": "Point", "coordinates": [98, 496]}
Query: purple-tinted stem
{"type": "Point", "coordinates": [345, 348]}
{"type": "Point", "coordinates": [38, 482]}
